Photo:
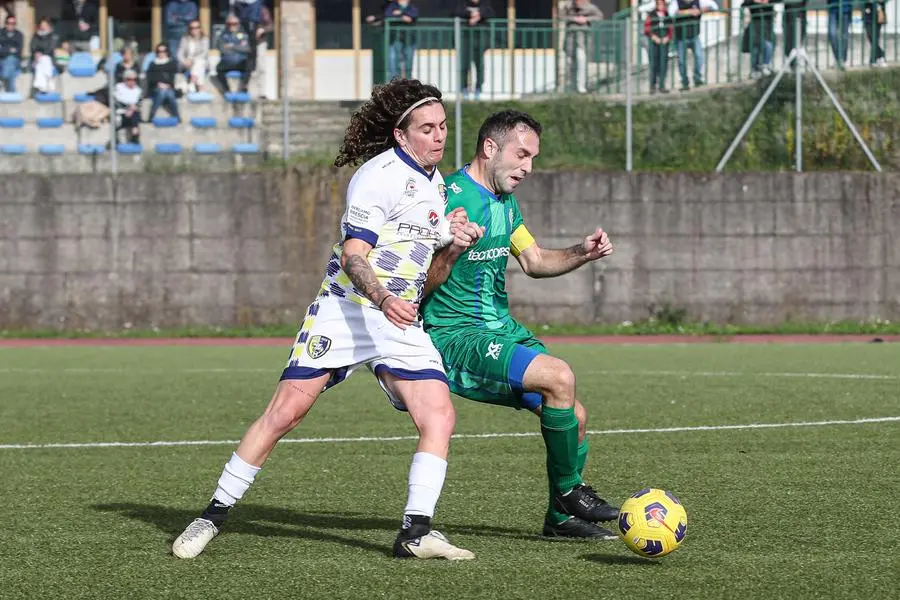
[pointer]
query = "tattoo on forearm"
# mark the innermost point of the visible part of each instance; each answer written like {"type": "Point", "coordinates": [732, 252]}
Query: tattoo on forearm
{"type": "Point", "coordinates": [363, 277]}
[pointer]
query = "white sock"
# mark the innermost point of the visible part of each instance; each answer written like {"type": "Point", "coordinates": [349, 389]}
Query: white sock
{"type": "Point", "coordinates": [426, 478]}
{"type": "Point", "coordinates": [236, 478]}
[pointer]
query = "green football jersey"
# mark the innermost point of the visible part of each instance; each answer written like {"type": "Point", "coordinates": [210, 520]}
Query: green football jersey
{"type": "Point", "coordinates": [475, 291]}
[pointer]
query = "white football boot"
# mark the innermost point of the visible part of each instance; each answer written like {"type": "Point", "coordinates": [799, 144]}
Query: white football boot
{"type": "Point", "coordinates": [431, 545]}
{"type": "Point", "coordinates": [194, 539]}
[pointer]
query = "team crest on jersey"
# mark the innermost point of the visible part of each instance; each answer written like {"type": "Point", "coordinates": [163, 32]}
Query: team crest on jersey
{"type": "Point", "coordinates": [410, 188]}
{"type": "Point", "coordinates": [433, 218]}
{"type": "Point", "coordinates": [442, 190]}
{"type": "Point", "coordinates": [317, 346]}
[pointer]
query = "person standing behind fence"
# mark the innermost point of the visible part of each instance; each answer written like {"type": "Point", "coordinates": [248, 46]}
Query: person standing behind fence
{"type": "Point", "coordinates": [874, 19]}
{"type": "Point", "coordinates": [758, 39]}
{"type": "Point", "coordinates": [659, 31]}
{"type": "Point", "coordinates": [794, 16]}
{"type": "Point", "coordinates": [579, 17]}
{"type": "Point", "coordinates": [687, 14]}
{"type": "Point", "coordinates": [476, 41]}
{"type": "Point", "coordinates": [402, 16]}
{"type": "Point", "coordinates": [840, 14]}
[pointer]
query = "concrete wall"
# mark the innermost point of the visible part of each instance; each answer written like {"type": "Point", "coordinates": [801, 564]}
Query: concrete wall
{"type": "Point", "coordinates": [165, 250]}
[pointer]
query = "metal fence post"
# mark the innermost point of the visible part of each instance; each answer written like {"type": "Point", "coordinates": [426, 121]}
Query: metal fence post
{"type": "Point", "coordinates": [285, 103]}
{"type": "Point", "coordinates": [629, 62]}
{"type": "Point", "coordinates": [111, 91]}
{"type": "Point", "coordinates": [799, 66]}
{"type": "Point", "coordinates": [457, 119]}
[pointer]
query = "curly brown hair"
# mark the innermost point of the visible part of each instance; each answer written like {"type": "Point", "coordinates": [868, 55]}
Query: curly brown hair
{"type": "Point", "coordinates": [371, 129]}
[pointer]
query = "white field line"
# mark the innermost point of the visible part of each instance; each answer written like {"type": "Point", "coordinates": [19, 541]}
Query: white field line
{"type": "Point", "coordinates": [221, 370]}
{"type": "Point", "coordinates": [340, 440]}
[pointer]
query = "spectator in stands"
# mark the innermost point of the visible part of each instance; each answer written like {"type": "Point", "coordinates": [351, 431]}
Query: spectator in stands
{"type": "Point", "coordinates": [128, 107]}
{"type": "Point", "coordinates": [249, 13]}
{"type": "Point", "coordinates": [794, 16]}
{"type": "Point", "coordinates": [874, 19]}
{"type": "Point", "coordinates": [687, 14]}
{"type": "Point", "coordinates": [81, 20]}
{"type": "Point", "coordinates": [62, 55]}
{"type": "Point", "coordinates": [128, 63]}
{"type": "Point", "coordinates": [658, 29]}
{"type": "Point", "coordinates": [758, 39]}
{"type": "Point", "coordinates": [403, 16]}
{"type": "Point", "coordinates": [44, 43]}
{"type": "Point", "coordinates": [579, 18]}
{"type": "Point", "coordinates": [11, 44]}
{"type": "Point", "coordinates": [161, 83]}
{"type": "Point", "coordinates": [179, 15]}
{"type": "Point", "coordinates": [840, 15]}
{"type": "Point", "coordinates": [475, 41]}
{"type": "Point", "coordinates": [8, 6]}
{"type": "Point", "coordinates": [234, 48]}
{"type": "Point", "coordinates": [263, 31]}
{"type": "Point", "coordinates": [193, 56]}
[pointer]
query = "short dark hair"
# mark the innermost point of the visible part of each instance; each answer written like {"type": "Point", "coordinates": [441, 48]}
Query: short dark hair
{"type": "Point", "coordinates": [499, 124]}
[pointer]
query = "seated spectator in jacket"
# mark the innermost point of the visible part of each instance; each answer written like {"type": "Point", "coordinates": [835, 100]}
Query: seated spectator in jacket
{"type": "Point", "coordinates": [161, 82]}
{"type": "Point", "coordinates": [128, 63]}
{"type": "Point", "coordinates": [128, 106]}
{"type": "Point", "coordinates": [234, 49]}
{"type": "Point", "coordinates": [11, 43]}
{"type": "Point", "coordinates": [179, 15]}
{"type": "Point", "coordinates": [659, 31]}
{"type": "Point", "coordinates": [81, 18]}
{"type": "Point", "coordinates": [43, 45]}
{"type": "Point", "coordinates": [193, 56]}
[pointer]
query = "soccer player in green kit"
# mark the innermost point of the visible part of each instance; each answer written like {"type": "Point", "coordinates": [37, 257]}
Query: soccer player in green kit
{"type": "Point", "coordinates": [488, 356]}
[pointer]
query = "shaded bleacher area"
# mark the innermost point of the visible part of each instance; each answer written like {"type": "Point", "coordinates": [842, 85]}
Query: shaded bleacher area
{"type": "Point", "coordinates": [214, 124]}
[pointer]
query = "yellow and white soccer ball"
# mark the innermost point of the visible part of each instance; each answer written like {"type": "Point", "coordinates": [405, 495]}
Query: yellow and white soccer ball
{"type": "Point", "coordinates": [652, 522]}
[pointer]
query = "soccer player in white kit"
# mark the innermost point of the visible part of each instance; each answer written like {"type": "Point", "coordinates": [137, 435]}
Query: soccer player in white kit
{"type": "Point", "coordinates": [366, 311]}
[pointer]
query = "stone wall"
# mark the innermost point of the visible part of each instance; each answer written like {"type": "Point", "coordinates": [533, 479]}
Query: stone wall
{"type": "Point", "coordinates": [237, 249]}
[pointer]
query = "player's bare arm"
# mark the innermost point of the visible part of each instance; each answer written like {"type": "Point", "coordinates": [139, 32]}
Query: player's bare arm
{"type": "Point", "coordinates": [540, 262]}
{"type": "Point", "coordinates": [356, 265]}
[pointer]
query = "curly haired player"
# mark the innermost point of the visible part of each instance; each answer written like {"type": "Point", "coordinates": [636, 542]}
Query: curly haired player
{"type": "Point", "coordinates": [366, 311]}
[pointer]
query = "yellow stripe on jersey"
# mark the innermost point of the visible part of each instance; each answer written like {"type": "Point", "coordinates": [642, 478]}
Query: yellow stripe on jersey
{"type": "Point", "coordinates": [520, 239]}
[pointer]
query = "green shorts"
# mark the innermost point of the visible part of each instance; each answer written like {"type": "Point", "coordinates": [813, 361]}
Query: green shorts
{"type": "Point", "coordinates": [487, 365]}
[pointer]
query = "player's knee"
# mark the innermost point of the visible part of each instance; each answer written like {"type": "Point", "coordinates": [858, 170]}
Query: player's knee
{"type": "Point", "coordinates": [440, 421]}
{"type": "Point", "coordinates": [285, 412]}
{"type": "Point", "coordinates": [561, 384]}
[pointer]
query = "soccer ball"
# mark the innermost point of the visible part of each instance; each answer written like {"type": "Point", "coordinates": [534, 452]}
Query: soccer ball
{"type": "Point", "coordinates": [652, 523]}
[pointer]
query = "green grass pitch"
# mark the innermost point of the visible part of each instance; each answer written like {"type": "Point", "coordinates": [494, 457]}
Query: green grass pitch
{"type": "Point", "coordinates": [774, 512]}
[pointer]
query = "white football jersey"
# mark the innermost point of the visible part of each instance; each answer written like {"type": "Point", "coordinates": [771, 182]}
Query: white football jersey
{"type": "Point", "coordinates": [395, 206]}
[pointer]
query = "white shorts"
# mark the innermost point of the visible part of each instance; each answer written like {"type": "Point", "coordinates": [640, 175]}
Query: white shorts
{"type": "Point", "coordinates": [339, 336]}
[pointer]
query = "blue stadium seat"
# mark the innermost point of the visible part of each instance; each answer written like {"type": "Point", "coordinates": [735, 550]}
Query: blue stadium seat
{"type": "Point", "coordinates": [11, 98]}
{"type": "Point", "coordinates": [129, 149]}
{"type": "Point", "coordinates": [203, 122]}
{"type": "Point", "coordinates": [91, 149]}
{"type": "Point", "coordinates": [83, 97]}
{"type": "Point", "coordinates": [82, 65]}
{"type": "Point", "coordinates": [51, 149]}
{"type": "Point", "coordinates": [48, 98]}
{"type": "Point", "coordinates": [245, 149]}
{"type": "Point", "coordinates": [165, 121]}
{"type": "Point", "coordinates": [169, 148]}
{"type": "Point", "coordinates": [199, 97]}
{"type": "Point", "coordinates": [12, 122]}
{"type": "Point", "coordinates": [237, 97]}
{"type": "Point", "coordinates": [12, 149]}
{"type": "Point", "coordinates": [207, 148]}
{"type": "Point", "coordinates": [49, 122]}
{"type": "Point", "coordinates": [241, 123]}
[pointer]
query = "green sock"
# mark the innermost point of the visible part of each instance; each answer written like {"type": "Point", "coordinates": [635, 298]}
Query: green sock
{"type": "Point", "coordinates": [552, 514]}
{"type": "Point", "coordinates": [582, 457]}
{"type": "Point", "coordinates": [560, 430]}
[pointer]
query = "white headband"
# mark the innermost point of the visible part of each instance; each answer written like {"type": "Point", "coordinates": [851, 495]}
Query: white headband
{"type": "Point", "coordinates": [413, 107]}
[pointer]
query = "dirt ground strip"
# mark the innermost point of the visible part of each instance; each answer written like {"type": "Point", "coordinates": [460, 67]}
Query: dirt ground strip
{"type": "Point", "coordinates": [572, 339]}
